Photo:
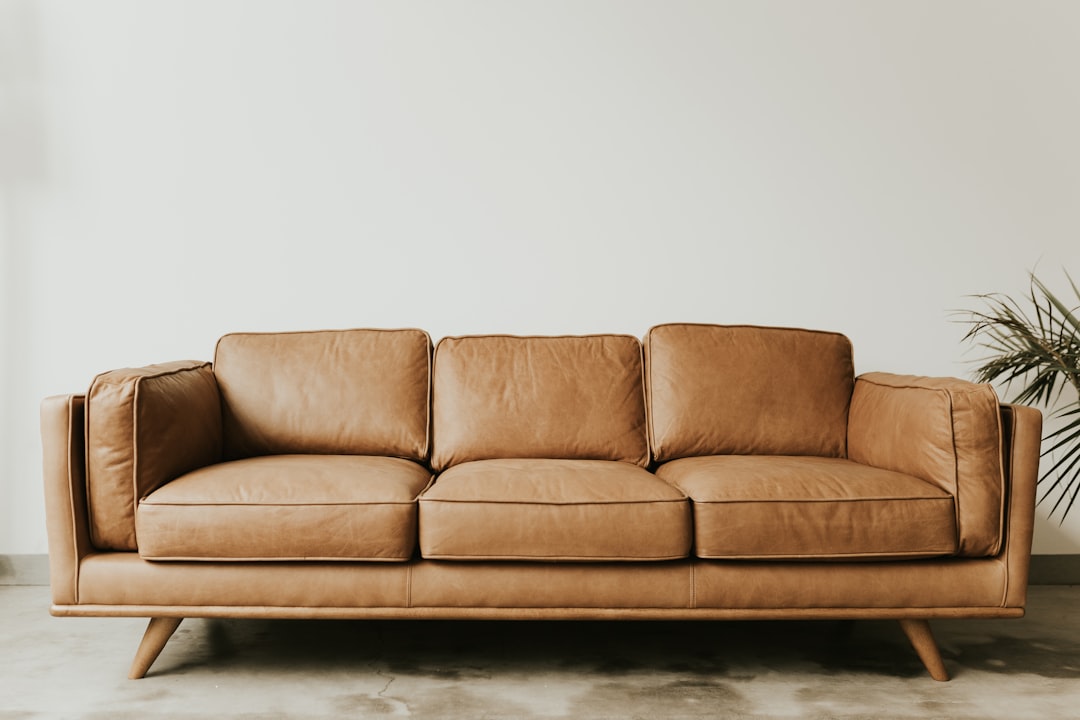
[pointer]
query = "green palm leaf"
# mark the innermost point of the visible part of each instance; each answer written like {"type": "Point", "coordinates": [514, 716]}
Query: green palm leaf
{"type": "Point", "coordinates": [1035, 354]}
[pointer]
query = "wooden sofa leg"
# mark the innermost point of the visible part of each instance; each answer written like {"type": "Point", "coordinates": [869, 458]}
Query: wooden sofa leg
{"type": "Point", "coordinates": [918, 633]}
{"type": "Point", "coordinates": [157, 634]}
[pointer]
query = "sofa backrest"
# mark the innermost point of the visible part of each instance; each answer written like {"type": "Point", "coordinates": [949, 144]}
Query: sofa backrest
{"type": "Point", "coordinates": [501, 396]}
{"type": "Point", "coordinates": [347, 392]}
{"type": "Point", "coordinates": [744, 390]}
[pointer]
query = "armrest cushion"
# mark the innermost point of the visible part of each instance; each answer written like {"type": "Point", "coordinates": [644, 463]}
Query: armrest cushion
{"type": "Point", "coordinates": [943, 430]}
{"type": "Point", "coordinates": [145, 427]}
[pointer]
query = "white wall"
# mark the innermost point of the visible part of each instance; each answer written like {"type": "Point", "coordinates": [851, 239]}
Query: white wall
{"type": "Point", "coordinates": [170, 171]}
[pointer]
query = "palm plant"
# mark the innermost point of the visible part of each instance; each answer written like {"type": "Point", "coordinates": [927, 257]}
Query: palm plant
{"type": "Point", "coordinates": [1039, 350]}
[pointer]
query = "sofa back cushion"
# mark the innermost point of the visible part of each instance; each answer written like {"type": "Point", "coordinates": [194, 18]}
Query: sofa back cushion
{"type": "Point", "coordinates": [501, 396]}
{"type": "Point", "coordinates": [345, 392]}
{"type": "Point", "coordinates": [742, 390]}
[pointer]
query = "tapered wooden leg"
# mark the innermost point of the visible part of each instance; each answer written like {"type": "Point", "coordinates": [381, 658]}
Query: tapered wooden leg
{"type": "Point", "coordinates": [157, 634]}
{"type": "Point", "coordinates": [918, 632]}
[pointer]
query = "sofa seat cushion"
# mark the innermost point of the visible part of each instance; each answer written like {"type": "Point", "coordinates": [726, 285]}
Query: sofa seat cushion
{"type": "Point", "coordinates": [534, 509]}
{"type": "Point", "coordinates": [286, 507]}
{"type": "Point", "coordinates": [813, 508]}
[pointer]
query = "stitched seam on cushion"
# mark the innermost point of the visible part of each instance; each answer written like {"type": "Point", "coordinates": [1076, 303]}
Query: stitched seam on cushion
{"type": "Point", "coordinates": [978, 387]}
{"type": "Point", "coordinates": [755, 327]}
{"type": "Point", "coordinates": [274, 558]}
{"type": "Point", "coordinates": [317, 332]}
{"type": "Point", "coordinates": [174, 503]}
{"type": "Point", "coordinates": [575, 558]}
{"type": "Point", "coordinates": [482, 336]}
{"type": "Point", "coordinates": [902, 553]}
{"type": "Point", "coordinates": [947, 498]}
{"type": "Point", "coordinates": [102, 380]}
{"type": "Point", "coordinates": [544, 503]}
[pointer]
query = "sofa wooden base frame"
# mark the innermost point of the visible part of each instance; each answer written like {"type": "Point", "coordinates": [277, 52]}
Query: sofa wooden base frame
{"type": "Point", "coordinates": [162, 627]}
{"type": "Point", "coordinates": [89, 581]}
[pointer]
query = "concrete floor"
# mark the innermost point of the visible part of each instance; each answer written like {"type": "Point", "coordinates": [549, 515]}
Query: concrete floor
{"type": "Point", "coordinates": [76, 668]}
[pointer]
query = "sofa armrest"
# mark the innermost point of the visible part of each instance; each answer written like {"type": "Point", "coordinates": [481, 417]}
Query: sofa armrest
{"type": "Point", "coordinates": [145, 427]}
{"type": "Point", "coordinates": [943, 430]}
{"type": "Point", "coordinates": [64, 469]}
{"type": "Point", "coordinates": [1022, 431]}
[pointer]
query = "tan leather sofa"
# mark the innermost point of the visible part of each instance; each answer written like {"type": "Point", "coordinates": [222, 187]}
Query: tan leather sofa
{"type": "Point", "coordinates": [705, 473]}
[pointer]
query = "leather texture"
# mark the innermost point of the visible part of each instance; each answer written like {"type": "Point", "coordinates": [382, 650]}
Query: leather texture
{"type": "Point", "coordinates": [501, 396]}
{"type": "Point", "coordinates": [943, 430]}
{"type": "Point", "coordinates": [827, 508]}
{"type": "Point", "coordinates": [1021, 448]}
{"type": "Point", "coordinates": [552, 585]}
{"type": "Point", "coordinates": [64, 470]}
{"type": "Point", "coordinates": [145, 427]}
{"type": "Point", "coordinates": [951, 583]}
{"type": "Point", "coordinates": [743, 390]}
{"type": "Point", "coordinates": [119, 579]}
{"type": "Point", "coordinates": [346, 392]}
{"type": "Point", "coordinates": [87, 582]}
{"type": "Point", "coordinates": [286, 507]}
{"type": "Point", "coordinates": [534, 509]}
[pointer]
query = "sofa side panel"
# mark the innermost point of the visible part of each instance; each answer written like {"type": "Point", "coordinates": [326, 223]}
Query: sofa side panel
{"type": "Point", "coordinates": [743, 390]}
{"type": "Point", "coordinates": [336, 392]}
{"type": "Point", "coordinates": [122, 578]}
{"type": "Point", "coordinates": [1022, 429]}
{"type": "Point", "coordinates": [64, 469]}
{"type": "Point", "coordinates": [570, 397]}
{"type": "Point", "coordinates": [952, 583]}
{"type": "Point", "coordinates": [943, 430]}
{"type": "Point", "coordinates": [145, 427]}
{"type": "Point", "coordinates": [552, 585]}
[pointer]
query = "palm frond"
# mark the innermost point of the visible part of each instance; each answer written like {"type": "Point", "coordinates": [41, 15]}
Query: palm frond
{"type": "Point", "coordinates": [1034, 352]}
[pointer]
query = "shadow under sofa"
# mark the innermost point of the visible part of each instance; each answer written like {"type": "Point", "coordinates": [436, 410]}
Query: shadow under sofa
{"type": "Point", "coordinates": [705, 472]}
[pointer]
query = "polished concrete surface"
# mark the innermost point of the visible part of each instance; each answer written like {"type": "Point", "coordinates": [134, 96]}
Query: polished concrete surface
{"type": "Point", "coordinates": [77, 667]}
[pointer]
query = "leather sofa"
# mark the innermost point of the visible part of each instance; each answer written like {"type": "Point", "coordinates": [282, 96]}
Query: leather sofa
{"type": "Point", "coordinates": [705, 472]}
